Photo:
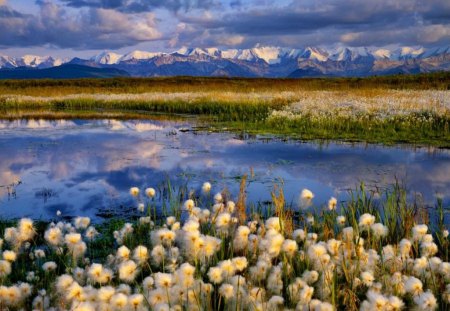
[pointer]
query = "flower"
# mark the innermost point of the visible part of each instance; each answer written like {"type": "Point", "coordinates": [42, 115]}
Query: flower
{"type": "Point", "coordinates": [367, 278]}
{"type": "Point", "coordinates": [332, 202]}
{"type": "Point", "coordinates": [163, 280]}
{"type": "Point", "coordinates": [290, 247]}
{"type": "Point", "coordinates": [306, 197]}
{"type": "Point", "coordinates": [226, 291]}
{"type": "Point", "coordinates": [140, 254]}
{"type": "Point", "coordinates": [206, 187]}
{"type": "Point", "coordinates": [53, 236]}
{"type": "Point", "coordinates": [9, 256]}
{"type": "Point", "coordinates": [366, 220]}
{"type": "Point", "coordinates": [26, 229]}
{"type": "Point", "coordinates": [240, 263]}
{"type": "Point", "coordinates": [299, 235]}
{"type": "Point", "coordinates": [413, 285]}
{"type": "Point", "coordinates": [127, 271]}
{"type": "Point", "coordinates": [223, 220]}
{"type": "Point", "coordinates": [379, 230]}
{"type": "Point", "coordinates": [49, 266]}
{"type": "Point", "coordinates": [273, 223]}
{"type": "Point", "coordinates": [119, 301]}
{"type": "Point", "coordinates": [136, 301]}
{"type": "Point", "coordinates": [218, 198]}
{"type": "Point", "coordinates": [82, 222]}
{"type": "Point", "coordinates": [306, 194]}
{"type": "Point", "coordinates": [215, 275]}
{"type": "Point", "coordinates": [189, 204]}
{"type": "Point", "coordinates": [134, 191]}
{"type": "Point", "coordinates": [5, 268]}
{"type": "Point", "coordinates": [150, 192]}
{"type": "Point", "coordinates": [72, 239]}
{"type": "Point", "coordinates": [419, 231]}
{"type": "Point", "coordinates": [123, 252]}
{"type": "Point", "coordinates": [426, 301]}
{"type": "Point", "coordinates": [84, 306]}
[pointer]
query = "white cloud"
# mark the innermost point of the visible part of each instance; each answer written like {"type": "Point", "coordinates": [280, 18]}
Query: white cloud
{"type": "Point", "coordinates": [434, 33]}
{"type": "Point", "coordinates": [231, 40]}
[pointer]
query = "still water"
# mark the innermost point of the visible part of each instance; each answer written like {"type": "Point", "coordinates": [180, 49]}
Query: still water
{"type": "Point", "coordinates": [84, 167]}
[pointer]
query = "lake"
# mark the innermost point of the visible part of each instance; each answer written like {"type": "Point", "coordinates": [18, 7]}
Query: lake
{"type": "Point", "coordinates": [86, 167]}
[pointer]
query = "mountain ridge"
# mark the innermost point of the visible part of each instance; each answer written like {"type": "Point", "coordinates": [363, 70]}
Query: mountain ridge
{"type": "Point", "coordinates": [260, 61]}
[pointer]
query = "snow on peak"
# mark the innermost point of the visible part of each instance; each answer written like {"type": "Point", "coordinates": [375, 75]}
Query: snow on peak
{"type": "Point", "coordinates": [192, 51]}
{"type": "Point", "coordinates": [407, 52]}
{"type": "Point", "coordinates": [349, 54]}
{"type": "Point", "coordinates": [436, 51]}
{"type": "Point", "coordinates": [272, 55]}
{"type": "Point", "coordinates": [106, 58]}
{"type": "Point", "coordinates": [32, 60]}
{"type": "Point", "coordinates": [139, 55]}
{"type": "Point", "coordinates": [382, 54]}
{"type": "Point", "coordinates": [313, 53]}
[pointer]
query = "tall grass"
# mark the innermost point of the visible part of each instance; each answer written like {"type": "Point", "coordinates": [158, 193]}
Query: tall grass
{"type": "Point", "coordinates": [438, 81]}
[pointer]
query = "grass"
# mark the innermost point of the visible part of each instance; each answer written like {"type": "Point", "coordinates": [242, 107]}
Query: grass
{"type": "Point", "coordinates": [399, 109]}
{"type": "Point", "coordinates": [362, 254]}
{"type": "Point", "coordinates": [46, 88]}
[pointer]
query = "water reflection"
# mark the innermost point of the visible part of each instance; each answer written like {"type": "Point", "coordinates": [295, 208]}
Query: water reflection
{"type": "Point", "coordinates": [79, 166]}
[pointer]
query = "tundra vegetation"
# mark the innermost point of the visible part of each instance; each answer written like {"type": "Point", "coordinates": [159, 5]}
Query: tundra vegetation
{"type": "Point", "coordinates": [213, 251]}
{"type": "Point", "coordinates": [206, 252]}
{"type": "Point", "coordinates": [396, 109]}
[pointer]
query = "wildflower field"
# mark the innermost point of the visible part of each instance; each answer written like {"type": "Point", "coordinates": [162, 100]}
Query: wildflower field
{"type": "Point", "coordinates": [208, 252]}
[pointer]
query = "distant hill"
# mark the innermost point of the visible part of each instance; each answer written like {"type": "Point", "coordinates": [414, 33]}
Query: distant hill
{"type": "Point", "coordinates": [66, 71]}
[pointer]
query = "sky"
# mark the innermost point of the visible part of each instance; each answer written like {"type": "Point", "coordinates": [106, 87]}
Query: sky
{"type": "Point", "coordinates": [68, 28]}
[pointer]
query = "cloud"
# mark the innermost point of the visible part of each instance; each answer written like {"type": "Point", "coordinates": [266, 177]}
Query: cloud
{"type": "Point", "coordinates": [113, 24]}
{"type": "Point", "coordinates": [143, 5]}
{"type": "Point", "coordinates": [86, 29]}
{"type": "Point", "coordinates": [231, 40]}
{"type": "Point", "coordinates": [328, 22]}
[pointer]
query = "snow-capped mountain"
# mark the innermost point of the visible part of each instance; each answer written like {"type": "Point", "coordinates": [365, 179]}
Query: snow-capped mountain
{"type": "Point", "coordinates": [7, 62]}
{"type": "Point", "coordinates": [31, 61]}
{"type": "Point", "coordinates": [259, 61]}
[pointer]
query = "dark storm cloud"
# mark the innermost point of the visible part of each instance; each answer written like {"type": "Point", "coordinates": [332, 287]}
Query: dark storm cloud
{"type": "Point", "coordinates": [110, 24]}
{"type": "Point", "coordinates": [89, 29]}
{"type": "Point", "coordinates": [142, 5]}
{"type": "Point", "coordinates": [351, 22]}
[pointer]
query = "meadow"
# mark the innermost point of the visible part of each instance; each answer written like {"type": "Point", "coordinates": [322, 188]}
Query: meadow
{"type": "Point", "coordinates": [210, 252]}
{"type": "Point", "coordinates": [213, 250]}
{"type": "Point", "coordinates": [389, 110]}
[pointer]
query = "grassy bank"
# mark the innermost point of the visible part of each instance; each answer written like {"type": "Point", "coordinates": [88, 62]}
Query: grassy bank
{"type": "Point", "coordinates": [397, 109]}
{"type": "Point", "coordinates": [364, 254]}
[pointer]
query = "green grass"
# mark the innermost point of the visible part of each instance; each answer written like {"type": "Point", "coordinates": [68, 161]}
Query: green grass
{"type": "Point", "coordinates": [409, 130]}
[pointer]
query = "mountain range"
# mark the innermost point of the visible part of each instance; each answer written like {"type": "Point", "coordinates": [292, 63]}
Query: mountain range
{"type": "Point", "coordinates": [260, 61]}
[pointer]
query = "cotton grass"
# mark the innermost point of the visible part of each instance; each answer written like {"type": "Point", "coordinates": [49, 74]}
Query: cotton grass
{"type": "Point", "coordinates": [205, 259]}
